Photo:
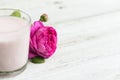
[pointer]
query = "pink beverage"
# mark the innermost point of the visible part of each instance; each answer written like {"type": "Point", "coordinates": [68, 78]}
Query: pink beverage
{"type": "Point", "coordinates": [14, 44]}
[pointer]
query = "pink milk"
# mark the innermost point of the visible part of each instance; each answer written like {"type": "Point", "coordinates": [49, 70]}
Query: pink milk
{"type": "Point", "coordinates": [14, 43]}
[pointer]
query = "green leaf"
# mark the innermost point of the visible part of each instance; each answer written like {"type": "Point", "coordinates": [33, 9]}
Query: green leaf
{"type": "Point", "coordinates": [37, 60]}
{"type": "Point", "coordinates": [16, 13]}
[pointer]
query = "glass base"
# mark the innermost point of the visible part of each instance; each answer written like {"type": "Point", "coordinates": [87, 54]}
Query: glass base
{"type": "Point", "coordinates": [7, 74]}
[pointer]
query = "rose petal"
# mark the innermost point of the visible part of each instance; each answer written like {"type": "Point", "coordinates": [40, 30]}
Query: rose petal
{"type": "Point", "coordinates": [32, 54]}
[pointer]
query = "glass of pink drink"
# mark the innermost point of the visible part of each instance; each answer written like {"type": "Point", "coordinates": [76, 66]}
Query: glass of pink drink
{"type": "Point", "coordinates": [14, 42]}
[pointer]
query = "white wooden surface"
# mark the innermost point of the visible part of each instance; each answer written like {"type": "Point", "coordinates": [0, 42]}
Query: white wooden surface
{"type": "Point", "coordinates": [89, 39]}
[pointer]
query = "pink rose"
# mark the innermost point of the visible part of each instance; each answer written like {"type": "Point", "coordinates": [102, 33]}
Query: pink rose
{"type": "Point", "coordinates": [43, 40]}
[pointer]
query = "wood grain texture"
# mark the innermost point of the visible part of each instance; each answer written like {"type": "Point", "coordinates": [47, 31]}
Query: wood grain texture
{"type": "Point", "coordinates": [89, 39]}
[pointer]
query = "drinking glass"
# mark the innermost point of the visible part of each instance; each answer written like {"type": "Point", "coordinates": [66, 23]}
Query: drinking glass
{"type": "Point", "coordinates": [14, 41]}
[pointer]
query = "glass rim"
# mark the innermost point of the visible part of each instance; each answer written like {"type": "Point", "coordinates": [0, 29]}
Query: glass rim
{"type": "Point", "coordinates": [28, 21]}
